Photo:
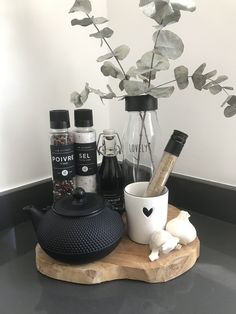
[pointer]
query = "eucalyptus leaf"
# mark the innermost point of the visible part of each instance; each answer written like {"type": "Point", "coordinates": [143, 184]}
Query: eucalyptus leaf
{"type": "Point", "coordinates": [163, 9]}
{"type": "Point", "coordinates": [221, 79]}
{"type": "Point", "coordinates": [166, 12]}
{"type": "Point", "coordinates": [143, 71]}
{"type": "Point", "coordinates": [168, 44]}
{"type": "Point", "coordinates": [134, 88]}
{"type": "Point", "coordinates": [199, 80]}
{"type": "Point", "coordinates": [83, 22]}
{"type": "Point", "coordinates": [208, 85]}
{"type": "Point", "coordinates": [121, 52]}
{"type": "Point", "coordinates": [157, 61]}
{"type": "Point", "coordinates": [104, 33]}
{"type": "Point", "coordinates": [215, 89]}
{"type": "Point", "coordinates": [79, 99]}
{"type": "Point", "coordinates": [132, 72]}
{"type": "Point", "coordinates": [230, 111]}
{"type": "Point", "coordinates": [121, 85]}
{"type": "Point", "coordinates": [108, 69]}
{"type": "Point", "coordinates": [172, 18]}
{"type": "Point", "coordinates": [109, 95]}
{"type": "Point", "coordinates": [149, 9]}
{"type": "Point", "coordinates": [232, 100]}
{"type": "Point", "coordinates": [210, 74]}
{"type": "Point", "coordinates": [81, 6]}
{"type": "Point", "coordinates": [181, 76]}
{"type": "Point", "coordinates": [84, 94]}
{"type": "Point", "coordinates": [200, 69]}
{"type": "Point", "coordinates": [144, 2]}
{"type": "Point", "coordinates": [105, 57]}
{"type": "Point", "coordinates": [161, 92]}
{"type": "Point", "coordinates": [185, 5]}
{"type": "Point", "coordinates": [75, 99]}
{"type": "Point", "coordinates": [158, 10]}
{"type": "Point", "coordinates": [99, 20]}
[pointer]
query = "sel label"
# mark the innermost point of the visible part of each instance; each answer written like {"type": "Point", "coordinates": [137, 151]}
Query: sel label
{"type": "Point", "coordinates": [86, 159]}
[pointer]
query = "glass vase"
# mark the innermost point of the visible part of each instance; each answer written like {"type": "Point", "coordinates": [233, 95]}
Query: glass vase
{"type": "Point", "coordinates": [141, 139]}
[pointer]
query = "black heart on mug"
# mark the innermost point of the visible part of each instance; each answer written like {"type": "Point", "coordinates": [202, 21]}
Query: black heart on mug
{"type": "Point", "coordinates": [147, 212]}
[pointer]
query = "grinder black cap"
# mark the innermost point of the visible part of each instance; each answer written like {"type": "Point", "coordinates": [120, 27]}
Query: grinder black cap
{"type": "Point", "coordinates": [176, 142]}
{"type": "Point", "coordinates": [59, 119]}
{"type": "Point", "coordinates": [83, 117]}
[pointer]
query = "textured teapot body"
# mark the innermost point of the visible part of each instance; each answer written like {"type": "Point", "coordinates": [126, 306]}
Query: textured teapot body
{"type": "Point", "coordinates": [77, 236]}
{"type": "Point", "coordinates": [80, 239]}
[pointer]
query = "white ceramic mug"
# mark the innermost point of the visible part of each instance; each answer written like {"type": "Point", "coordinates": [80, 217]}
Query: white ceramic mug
{"type": "Point", "coordinates": [144, 214]}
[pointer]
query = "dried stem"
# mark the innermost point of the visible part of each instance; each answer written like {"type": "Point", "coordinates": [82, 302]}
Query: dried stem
{"type": "Point", "coordinates": [140, 141]}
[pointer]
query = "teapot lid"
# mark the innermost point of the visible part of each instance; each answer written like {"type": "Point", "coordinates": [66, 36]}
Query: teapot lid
{"type": "Point", "coordinates": [79, 204]}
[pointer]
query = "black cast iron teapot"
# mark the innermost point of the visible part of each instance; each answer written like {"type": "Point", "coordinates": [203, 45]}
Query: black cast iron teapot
{"type": "Point", "coordinates": [78, 228]}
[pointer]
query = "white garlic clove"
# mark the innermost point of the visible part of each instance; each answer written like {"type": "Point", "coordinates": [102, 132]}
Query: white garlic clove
{"type": "Point", "coordinates": [182, 228]}
{"type": "Point", "coordinates": [170, 245]}
{"type": "Point", "coordinates": [158, 238]}
{"type": "Point", "coordinates": [154, 255]}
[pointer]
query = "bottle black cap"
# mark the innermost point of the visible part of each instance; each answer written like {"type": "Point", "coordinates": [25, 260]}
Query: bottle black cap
{"type": "Point", "coordinates": [83, 117]}
{"type": "Point", "coordinates": [140, 103]}
{"type": "Point", "coordinates": [176, 143]}
{"type": "Point", "coordinates": [59, 119]}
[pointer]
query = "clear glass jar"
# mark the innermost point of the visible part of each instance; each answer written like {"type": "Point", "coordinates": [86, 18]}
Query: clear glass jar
{"type": "Point", "coordinates": [141, 142]}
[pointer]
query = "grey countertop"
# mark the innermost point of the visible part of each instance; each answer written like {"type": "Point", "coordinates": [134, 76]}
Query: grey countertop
{"type": "Point", "coordinates": [208, 288]}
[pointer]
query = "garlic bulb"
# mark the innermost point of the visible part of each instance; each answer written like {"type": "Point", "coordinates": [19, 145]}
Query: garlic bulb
{"type": "Point", "coordinates": [182, 228]}
{"type": "Point", "coordinates": [162, 241]}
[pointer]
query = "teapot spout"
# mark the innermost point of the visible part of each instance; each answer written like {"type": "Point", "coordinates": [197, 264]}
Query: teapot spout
{"type": "Point", "coordinates": [34, 214]}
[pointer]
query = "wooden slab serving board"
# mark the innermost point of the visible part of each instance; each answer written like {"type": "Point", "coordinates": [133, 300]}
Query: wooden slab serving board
{"type": "Point", "coordinates": [128, 261]}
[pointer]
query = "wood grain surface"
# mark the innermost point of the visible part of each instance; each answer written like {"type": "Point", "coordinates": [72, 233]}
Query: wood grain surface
{"type": "Point", "coordinates": [128, 261]}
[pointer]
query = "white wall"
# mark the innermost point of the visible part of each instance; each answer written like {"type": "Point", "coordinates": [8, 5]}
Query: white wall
{"type": "Point", "coordinates": [42, 60]}
{"type": "Point", "coordinates": [208, 35]}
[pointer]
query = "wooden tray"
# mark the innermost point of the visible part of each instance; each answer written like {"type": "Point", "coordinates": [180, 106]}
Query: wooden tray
{"type": "Point", "coordinates": [128, 261]}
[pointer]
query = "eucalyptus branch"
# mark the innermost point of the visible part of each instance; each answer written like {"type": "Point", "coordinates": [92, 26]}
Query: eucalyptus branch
{"type": "Point", "coordinates": [189, 76]}
{"type": "Point", "coordinates": [109, 47]}
{"type": "Point", "coordinates": [170, 46]}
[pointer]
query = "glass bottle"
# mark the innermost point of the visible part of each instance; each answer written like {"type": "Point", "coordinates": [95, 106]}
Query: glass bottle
{"type": "Point", "coordinates": [85, 150]}
{"type": "Point", "coordinates": [62, 154]}
{"type": "Point", "coordinates": [141, 142]}
{"type": "Point", "coordinates": [110, 175]}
